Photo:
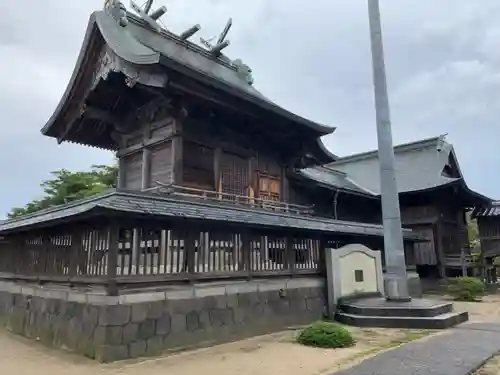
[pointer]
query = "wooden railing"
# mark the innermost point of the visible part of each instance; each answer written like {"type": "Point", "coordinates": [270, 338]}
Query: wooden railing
{"type": "Point", "coordinates": [241, 200]}
{"type": "Point", "coordinates": [120, 255]}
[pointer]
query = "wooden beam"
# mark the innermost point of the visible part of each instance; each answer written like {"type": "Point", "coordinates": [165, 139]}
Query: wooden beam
{"type": "Point", "coordinates": [200, 92]}
{"type": "Point", "coordinates": [217, 167]}
{"type": "Point", "coordinates": [102, 115]}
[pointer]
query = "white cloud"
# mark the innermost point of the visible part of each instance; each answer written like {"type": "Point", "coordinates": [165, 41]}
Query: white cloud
{"type": "Point", "coordinates": [313, 58]}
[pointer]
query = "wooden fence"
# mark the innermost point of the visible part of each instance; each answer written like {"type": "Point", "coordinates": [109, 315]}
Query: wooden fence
{"type": "Point", "coordinates": [116, 256]}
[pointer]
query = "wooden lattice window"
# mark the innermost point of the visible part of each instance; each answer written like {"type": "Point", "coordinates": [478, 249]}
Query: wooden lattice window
{"type": "Point", "coordinates": [234, 174]}
{"type": "Point", "coordinates": [269, 187]}
{"type": "Point", "coordinates": [198, 166]}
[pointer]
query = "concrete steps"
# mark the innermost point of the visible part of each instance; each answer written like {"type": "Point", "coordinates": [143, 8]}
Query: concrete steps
{"type": "Point", "coordinates": [417, 314]}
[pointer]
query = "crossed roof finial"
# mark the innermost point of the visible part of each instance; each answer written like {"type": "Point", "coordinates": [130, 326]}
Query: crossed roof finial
{"type": "Point", "coordinates": [150, 18]}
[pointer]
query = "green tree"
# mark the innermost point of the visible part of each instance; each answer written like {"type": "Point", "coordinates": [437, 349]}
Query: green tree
{"type": "Point", "coordinates": [66, 186]}
{"type": "Point", "coordinates": [472, 231]}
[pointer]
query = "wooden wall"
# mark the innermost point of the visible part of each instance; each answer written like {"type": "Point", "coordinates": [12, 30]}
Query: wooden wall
{"type": "Point", "coordinates": [440, 221]}
{"type": "Point", "coordinates": [489, 234]}
{"type": "Point", "coordinates": [215, 158]}
{"type": "Point", "coordinates": [147, 155]}
{"type": "Point", "coordinates": [345, 206]}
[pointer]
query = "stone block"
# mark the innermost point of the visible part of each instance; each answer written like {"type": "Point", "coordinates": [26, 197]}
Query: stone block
{"type": "Point", "coordinates": [111, 353]}
{"type": "Point", "coordinates": [77, 297]}
{"type": "Point", "coordinates": [204, 317]}
{"type": "Point", "coordinates": [90, 316]}
{"type": "Point", "coordinates": [303, 282]}
{"type": "Point", "coordinates": [240, 316]}
{"type": "Point", "coordinates": [248, 299]}
{"type": "Point", "coordinates": [137, 349]}
{"type": "Point", "coordinates": [146, 329]}
{"type": "Point", "coordinates": [192, 321]}
{"type": "Point", "coordinates": [108, 335]}
{"type": "Point", "coordinates": [127, 299]}
{"type": "Point", "coordinates": [178, 323]}
{"type": "Point", "coordinates": [273, 285]}
{"type": "Point", "coordinates": [214, 302]}
{"type": "Point", "coordinates": [201, 292]}
{"type": "Point", "coordinates": [130, 333]}
{"type": "Point", "coordinates": [232, 301]}
{"type": "Point", "coordinates": [163, 325]}
{"type": "Point", "coordinates": [155, 309]}
{"type": "Point", "coordinates": [183, 306]}
{"type": "Point", "coordinates": [154, 346]}
{"type": "Point", "coordinates": [186, 293]}
{"type": "Point", "coordinates": [242, 287]}
{"type": "Point", "coordinates": [102, 300]}
{"type": "Point", "coordinates": [221, 317]}
{"type": "Point", "coordinates": [139, 312]}
{"type": "Point", "coordinates": [279, 307]}
{"type": "Point", "coordinates": [116, 315]}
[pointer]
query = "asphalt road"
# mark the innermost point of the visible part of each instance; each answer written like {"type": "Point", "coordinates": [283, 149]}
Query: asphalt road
{"type": "Point", "coordinates": [458, 351]}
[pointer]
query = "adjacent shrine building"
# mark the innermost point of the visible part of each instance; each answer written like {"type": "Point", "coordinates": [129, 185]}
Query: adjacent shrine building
{"type": "Point", "coordinates": [433, 194]}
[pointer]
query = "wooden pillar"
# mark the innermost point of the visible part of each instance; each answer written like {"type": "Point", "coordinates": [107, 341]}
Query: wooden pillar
{"type": "Point", "coordinates": [217, 168]}
{"type": "Point", "coordinates": [146, 169]}
{"type": "Point", "coordinates": [163, 247]}
{"type": "Point", "coordinates": [121, 183]}
{"type": "Point", "coordinates": [46, 248]}
{"type": "Point", "coordinates": [289, 253]}
{"type": "Point", "coordinates": [264, 249]}
{"type": "Point", "coordinates": [177, 153]}
{"type": "Point", "coordinates": [204, 250]}
{"type": "Point", "coordinates": [189, 251]}
{"type": "Point", "coordinates": [439, 250]}
{"type": "Point", "coordinates": [111, 288]}
{"type": "Point", "coordinates": [323, 246]}
{"type": "Point", "coordinates": [246, 250]}
{"type": "Point", "coordinates": [75, 251]}
{"type": "Point", "coordinates": [136, 247]}
{"type": "Point", "coordinates": [251, 180]}
{"type": "Point", "coordinates": [284, 185]}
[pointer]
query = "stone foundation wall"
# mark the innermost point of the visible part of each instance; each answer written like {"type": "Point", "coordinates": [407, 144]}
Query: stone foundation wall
{"type": "Point", "coordinates": [143, 324]}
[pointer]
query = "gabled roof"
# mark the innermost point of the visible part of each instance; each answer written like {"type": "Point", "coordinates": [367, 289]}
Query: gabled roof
{"type": "Point", "coordinates": [174, 207]}
{"type": "Point", "coordinates": [141, 47]}
{"type": "Point", "coordinates": [419, 167]}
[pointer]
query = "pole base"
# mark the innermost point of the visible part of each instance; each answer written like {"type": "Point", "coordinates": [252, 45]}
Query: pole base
{"type": "Point", "coordinates": [398, 299]}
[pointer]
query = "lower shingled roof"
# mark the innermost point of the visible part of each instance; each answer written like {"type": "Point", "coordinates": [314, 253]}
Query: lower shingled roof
{"type": "Point", "coordinates": [492, 210]}
{"type": "Point", "coordinates": [183, 208]}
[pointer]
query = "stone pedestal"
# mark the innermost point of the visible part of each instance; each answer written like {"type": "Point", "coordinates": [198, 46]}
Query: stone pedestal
{"type": "Point", "coordinates": [416, 314]}
{"type": "Point", "coordinates": [352, 270]}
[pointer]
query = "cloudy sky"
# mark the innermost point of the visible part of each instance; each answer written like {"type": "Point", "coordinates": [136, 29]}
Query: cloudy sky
{"type": "Point", "coordinates": [312, 57]}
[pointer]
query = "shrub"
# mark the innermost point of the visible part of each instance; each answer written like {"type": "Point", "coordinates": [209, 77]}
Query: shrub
{"type": "Point", "coordinates": [466, 288]}
{"type": "Point", "coordinates": [326, 335]}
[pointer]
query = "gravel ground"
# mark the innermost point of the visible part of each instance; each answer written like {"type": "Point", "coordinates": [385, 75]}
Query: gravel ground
{"type": "Point", "coordinates": [458, 351]}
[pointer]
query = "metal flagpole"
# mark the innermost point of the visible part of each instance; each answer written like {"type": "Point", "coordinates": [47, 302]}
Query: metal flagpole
{"type": "Point", "coordinates": [396, 282]}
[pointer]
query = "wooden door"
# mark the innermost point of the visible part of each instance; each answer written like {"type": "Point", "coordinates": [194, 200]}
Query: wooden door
{"type": "Point", "coordinates": [269, 187]}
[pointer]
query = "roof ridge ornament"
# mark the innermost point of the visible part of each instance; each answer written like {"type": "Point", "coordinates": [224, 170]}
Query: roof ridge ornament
{"type": "Point", "coordinates": [150, 18]}
{"type": "Point", "coordinates": [441, 142]}
{"type": "Point", "coordinates": [243, 70]}
{"type": "Point", "coordinates": [222, 43]}
{"type": "Point", "coordinates": [117, 10]}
